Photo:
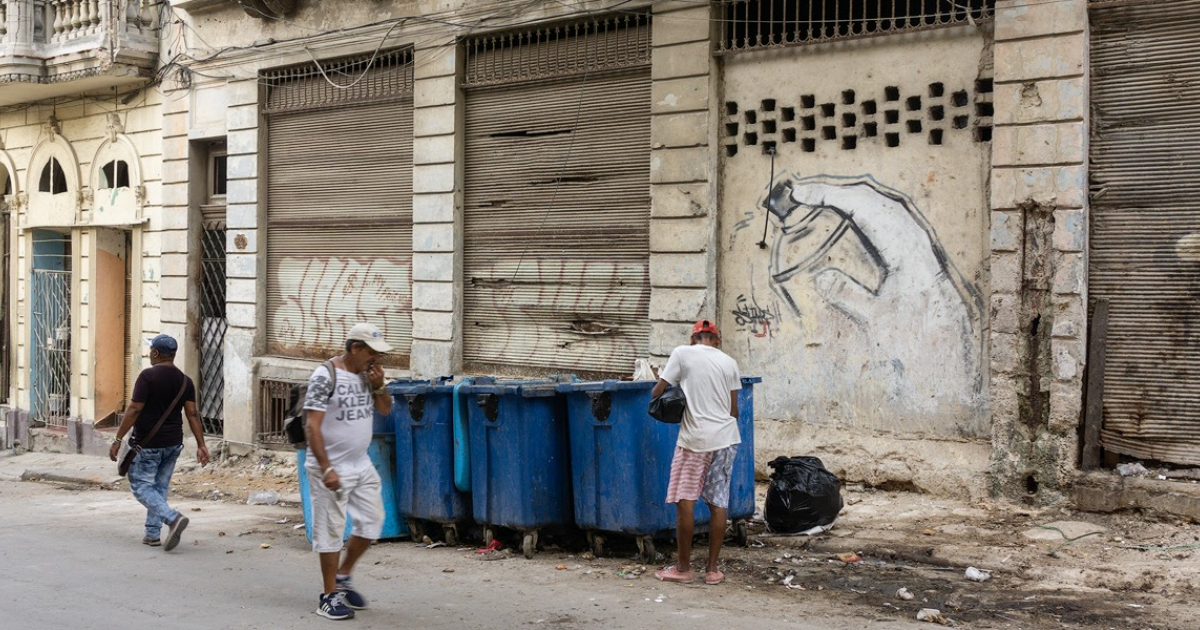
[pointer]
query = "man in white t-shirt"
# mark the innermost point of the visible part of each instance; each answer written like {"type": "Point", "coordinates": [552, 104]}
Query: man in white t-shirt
{"type": "Point", "coordinates": [707, 445]}
{"type": "Point", "coordinates": [338, 426]}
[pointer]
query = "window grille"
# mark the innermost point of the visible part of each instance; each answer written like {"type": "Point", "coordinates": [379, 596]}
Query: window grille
{"type": "Point", "coordinates": [757, 24]}
{"type": "Point", "coordinates": [364, 79]}
{"type": "Point", "coordinates": [557, 50]}
{"type": "Point", "coordinates": [273, 400]}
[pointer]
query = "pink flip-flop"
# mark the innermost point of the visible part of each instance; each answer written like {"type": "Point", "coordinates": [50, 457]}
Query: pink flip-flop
{"type": "Point", "coordinates": [713, 578]}
{"type": "Point", "coordinates": [673, 574]}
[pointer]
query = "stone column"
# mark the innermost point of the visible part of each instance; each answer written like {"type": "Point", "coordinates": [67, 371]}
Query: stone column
{"type": "Point", "coordinates": [1039, 243]}
{"type": "Point", "coordinates": [437, 211]}
{"type": "Point", "coordinates": [245, 267]}
{"type": "Point", "coordinates": [682, 175]}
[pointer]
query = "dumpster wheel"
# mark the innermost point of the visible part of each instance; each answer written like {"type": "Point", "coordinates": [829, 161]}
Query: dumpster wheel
{"type": "Point", "coordinates": [529, 544]}
{"type": "Point", "coordinates": [489, 535]}
{"type": "Point", "coordinates": [416, 529]}
{"type": "Point", "coordinates": [450, 533]}
{"type": "Point", "coordinates": [741, 537]}
{"type": "Point", "coordinates": [596, 542]}
{"type": "Point", "coordinates": [646, 549]}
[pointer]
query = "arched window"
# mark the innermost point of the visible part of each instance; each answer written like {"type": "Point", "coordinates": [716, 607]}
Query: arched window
{"type": "Point", "coordinates": [53, 179]}
{"type": "Point", "coordinates": [115, 174]}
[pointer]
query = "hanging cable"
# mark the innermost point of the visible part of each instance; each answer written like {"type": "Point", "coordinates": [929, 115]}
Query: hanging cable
{"type": "Point", "coordinates": [767, 215]}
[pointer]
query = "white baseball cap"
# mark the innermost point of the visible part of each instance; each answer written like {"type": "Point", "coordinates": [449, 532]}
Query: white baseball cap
{"type": "Point", "coordinates": [370, 335]}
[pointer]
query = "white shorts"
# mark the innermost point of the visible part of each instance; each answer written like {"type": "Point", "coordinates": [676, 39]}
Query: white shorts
{"type": "Point", "coordinates": [361, 498]}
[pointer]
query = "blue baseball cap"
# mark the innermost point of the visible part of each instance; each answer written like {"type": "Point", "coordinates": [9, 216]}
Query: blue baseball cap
{"type": "Point", "coordinates": [165, 344]}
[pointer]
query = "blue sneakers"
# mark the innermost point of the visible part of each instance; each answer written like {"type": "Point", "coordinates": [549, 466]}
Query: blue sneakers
{"type": "Point", "coordinates": [353, 598]}
{"type": "Point", "coordinates": [333, 606]}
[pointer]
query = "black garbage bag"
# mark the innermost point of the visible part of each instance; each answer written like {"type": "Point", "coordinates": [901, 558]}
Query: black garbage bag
{"type": "Point", "coordinates": [802, 495]}
{"type": "Point", "coordinates": [669, 406]}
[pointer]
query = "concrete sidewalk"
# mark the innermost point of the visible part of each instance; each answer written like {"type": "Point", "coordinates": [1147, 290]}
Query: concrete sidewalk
{"type": "Point", "coordinates": [61, 467]}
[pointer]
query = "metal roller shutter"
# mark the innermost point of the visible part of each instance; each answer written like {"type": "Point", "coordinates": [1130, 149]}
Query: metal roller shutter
{"type": "Point", "coordinates": [1145, 227]}
{"type": "Point", "coordinates": [339, 214]}
{"type": "Point", "coordinates": [557, 201]}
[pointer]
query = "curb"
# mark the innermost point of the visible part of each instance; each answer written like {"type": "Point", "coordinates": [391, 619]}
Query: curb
{"type": "Point", "coordinates": [71, 476]}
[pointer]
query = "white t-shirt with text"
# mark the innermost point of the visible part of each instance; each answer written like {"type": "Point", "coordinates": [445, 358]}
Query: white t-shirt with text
{"type": "Point", "coordinates": [349, 419]}
{"type": "Point", "coordinates": [707, 377]}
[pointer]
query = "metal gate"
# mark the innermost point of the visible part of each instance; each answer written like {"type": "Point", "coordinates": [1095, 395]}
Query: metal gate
{"type": "Point", "coordinates": [556, 198]}
{"type": "Point", "coordinates": [1144, 255]}
{"type": "Point", "coordinates": [51, 391]}
{"type": "Point", "coordinates": [5, 324]}
{"type": "Point", "coordinates": [339, 212]}
{"type": "Point", "coordinates": [213, 325]}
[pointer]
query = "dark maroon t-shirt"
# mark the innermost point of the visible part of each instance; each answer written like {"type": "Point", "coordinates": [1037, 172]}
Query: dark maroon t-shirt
{"type": "Point", "coordinates": [156, 387]}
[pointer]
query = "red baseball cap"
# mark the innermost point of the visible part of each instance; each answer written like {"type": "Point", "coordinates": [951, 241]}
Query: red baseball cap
{"type": "Point", "coordinates": [705, 326]}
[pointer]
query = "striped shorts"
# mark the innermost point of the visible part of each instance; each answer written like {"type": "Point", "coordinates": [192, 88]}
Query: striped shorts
{"type": "Point", "coordinates": [701, 475]}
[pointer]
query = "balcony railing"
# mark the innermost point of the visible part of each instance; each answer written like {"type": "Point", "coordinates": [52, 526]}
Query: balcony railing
{"type": "Point", "coordinates": [53, 41]}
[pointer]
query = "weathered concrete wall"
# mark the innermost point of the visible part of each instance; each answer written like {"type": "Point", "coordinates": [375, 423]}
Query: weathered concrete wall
{"type": "Point", "coordinates": [222, 102]}
{"type": "Point", "coordinates": [1039, 245]}
{"type": "Point", "coordinates": [862, 306]}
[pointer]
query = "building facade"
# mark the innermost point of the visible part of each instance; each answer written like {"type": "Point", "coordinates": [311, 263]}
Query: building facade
{"type": "Point", "coordinates": [885, 208]}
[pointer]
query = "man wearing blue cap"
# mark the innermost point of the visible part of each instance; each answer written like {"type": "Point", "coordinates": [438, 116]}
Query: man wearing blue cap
{"type": "Point", "coordinates": [160, 394]}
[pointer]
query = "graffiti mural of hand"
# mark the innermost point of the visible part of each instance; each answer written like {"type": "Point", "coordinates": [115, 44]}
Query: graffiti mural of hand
{"type": "Point", "coordinates": [919, 315]}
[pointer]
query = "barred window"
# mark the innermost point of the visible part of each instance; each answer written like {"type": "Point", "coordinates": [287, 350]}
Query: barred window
{"type": "Point", "coordinates": [756, 24]}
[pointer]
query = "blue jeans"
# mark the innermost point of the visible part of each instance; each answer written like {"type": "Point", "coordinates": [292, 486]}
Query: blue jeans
{"type": "Point", "coordinates": [150, 480]}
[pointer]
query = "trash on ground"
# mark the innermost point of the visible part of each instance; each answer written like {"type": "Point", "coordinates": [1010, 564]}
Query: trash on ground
{"type": "Point", "coordinates": [263, 497]}
{"type": "Point", "coordinates": [265, 546]}
{"type": "Point", "coordinates": [447, 570]}
{"type": "Point", "coordinates": [932, 615]}
{"type": "Point", "coordinates": [904, 594]}
{"type": "Point", "coordinates": [298, 526]}
{"type": "Point", "coordinates": [435, 545]}
{"type": "Point", "coordinates": [929, 532]}
{"type": "Point", "coordinates": [975, 575]}
{"type": "Point", "coordinates": [787, 582]}
{"type": "Point", "coordinates": [848, 556]}
{"type": "Point", "coordinates": [1132, 469]}
{"type": "Point", "coordinates": [492, 546]}
{"type": "Point", "coordinates": [282, 521]}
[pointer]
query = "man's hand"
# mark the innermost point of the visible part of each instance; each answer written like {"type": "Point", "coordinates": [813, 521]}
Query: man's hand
{"type": "Point", "coordinates": [331, 480]}
{"type": "Point", "coordinates": [114, 449]}
{"type": "Point", "coordinates": [202, 455]}
{"type": "Point", "coordinates": [375, 376]}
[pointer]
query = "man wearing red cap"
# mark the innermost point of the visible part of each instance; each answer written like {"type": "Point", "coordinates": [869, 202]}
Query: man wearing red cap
{"type": "Point", "coordinates": [708, 439]}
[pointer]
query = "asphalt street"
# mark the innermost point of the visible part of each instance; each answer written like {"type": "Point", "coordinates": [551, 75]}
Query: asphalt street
{"type": "Point", "coordinates": [72, 558]}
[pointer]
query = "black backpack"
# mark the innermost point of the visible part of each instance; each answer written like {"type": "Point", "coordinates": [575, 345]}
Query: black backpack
{"type": "Point", "coordinates": [293, 422]}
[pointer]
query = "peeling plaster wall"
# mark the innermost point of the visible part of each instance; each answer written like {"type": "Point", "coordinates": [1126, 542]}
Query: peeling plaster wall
{"type": "Point", "coordinates": [863, 306]}
{"type": "Point", "coordinates": [1039, 246]}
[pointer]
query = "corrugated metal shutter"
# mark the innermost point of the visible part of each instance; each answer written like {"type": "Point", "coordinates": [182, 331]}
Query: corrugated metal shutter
{"type": "Point", "coordinates": [339, 214]}
{"type": "Point", "coordinates": [1145, 235]}
{"type": "Point", "coordinates": [557, 206]}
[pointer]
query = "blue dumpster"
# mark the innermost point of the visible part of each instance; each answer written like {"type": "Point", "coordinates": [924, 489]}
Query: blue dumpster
{"type": "Point", "coordinates": [382, 452]}
{"type": "Point", "coordinates": [520, 463]}
{"type": "Point", "coordinates": [423, 415]}
{"type": "Point", "coordinates": [621, 458]}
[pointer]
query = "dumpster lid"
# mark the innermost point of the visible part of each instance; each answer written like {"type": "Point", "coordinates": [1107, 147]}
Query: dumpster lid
{"type": "Point", "coordinates": [405, 386]}
{"type": "Point", "coordinates": [611, 385]}
{"type": "Point", "coordinates": [526, 388]}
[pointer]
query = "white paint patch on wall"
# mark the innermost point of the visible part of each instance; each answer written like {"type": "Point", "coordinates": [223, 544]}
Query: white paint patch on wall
{"type": "Point", "coordinates": [852, 259]}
